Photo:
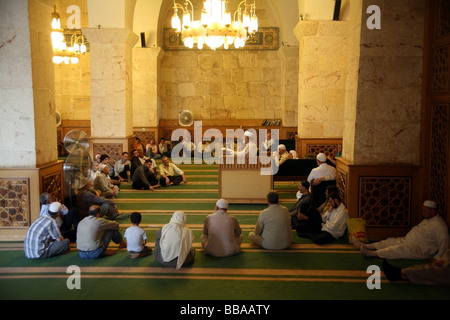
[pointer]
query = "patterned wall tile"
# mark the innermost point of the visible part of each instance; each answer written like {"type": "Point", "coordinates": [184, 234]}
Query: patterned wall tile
{"type": "Point", "coordinates": [385, 201]}
{"type": "Point", "coordinates": [14, 202]}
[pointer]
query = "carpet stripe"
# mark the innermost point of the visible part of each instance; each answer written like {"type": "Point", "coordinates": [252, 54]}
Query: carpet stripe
{"type": "Point", "coordinates": [190, 273]}
{"type": "Point", "coordinates": [167, 277]}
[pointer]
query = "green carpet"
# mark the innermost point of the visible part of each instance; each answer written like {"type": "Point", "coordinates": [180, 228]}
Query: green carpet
{"type": "Point", "coordinates": [306, 271]}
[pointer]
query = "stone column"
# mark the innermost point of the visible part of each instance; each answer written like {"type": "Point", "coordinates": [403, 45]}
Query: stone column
{"type": "Point", "coordinates": [146, 95]}
{"type": "Point", "coordinates": [289, 87]}
{"type": "Point", "coordinates": [322, 78]}
{"type": "Point", "coordinates": [28, 153]}
{"type": "Point", "coordinates": [111, 90]}
{"type": "Point", "coordinates": [387, 105]}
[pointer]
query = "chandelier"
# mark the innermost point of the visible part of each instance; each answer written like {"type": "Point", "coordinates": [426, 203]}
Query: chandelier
{"type": "Point", "coordinates": [63, 51]}
{"type": "Point", "coordinates": [215, 28]}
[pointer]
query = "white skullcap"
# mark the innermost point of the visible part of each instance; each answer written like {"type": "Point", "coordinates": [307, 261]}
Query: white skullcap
{"type": "Point", "coordinates": [282, 147]}
{"type": "Point", "coordinates": [222, 204]}
{"type": "Point", "coordinates": [248, 134]}
{"type": "Point", "coordinates": [101, 166]}
{"type": "Point", "coordinates": [321, 157]}
{"type": "Point", "coordinates": [430, 204]}
{"type": "Point", "coordinates": [55, 207]}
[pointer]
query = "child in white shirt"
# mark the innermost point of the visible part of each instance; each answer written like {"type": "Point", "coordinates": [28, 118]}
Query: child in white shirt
{"type": "Point", "coordinates": [136, 238]}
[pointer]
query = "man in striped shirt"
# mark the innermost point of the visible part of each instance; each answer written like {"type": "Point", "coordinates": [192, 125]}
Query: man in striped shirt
{"type": "Point", "coordinates": [43, 239]}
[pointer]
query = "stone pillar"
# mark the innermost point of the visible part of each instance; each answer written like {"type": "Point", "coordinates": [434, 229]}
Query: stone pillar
{"type": "Point", "coordinates": [146, 95]}
{"type": "Point", "coordinates": [379, 171]}
{"type": "Point", "coordinates": [322, 78]}
{"type": "Point", "coordinates": [389, 96]}
{"type": "Point", "coordinates": [28, 152]}
{"type": "Point", "coordinates": [111, 90]}
{"type": "Point", "coordinates": [289, 87]}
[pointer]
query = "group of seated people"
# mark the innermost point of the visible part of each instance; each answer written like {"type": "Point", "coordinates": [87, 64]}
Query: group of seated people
{"type": "Point", "coordinates": [222, 236]}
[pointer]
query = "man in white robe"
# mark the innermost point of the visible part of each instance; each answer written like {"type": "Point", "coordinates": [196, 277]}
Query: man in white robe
{"type": "Point", "coordinates": [429, 239]}
{"type": "Point", "coordinates": [250, 148]}
{"type": "Point", "coordinates": [324, 172]}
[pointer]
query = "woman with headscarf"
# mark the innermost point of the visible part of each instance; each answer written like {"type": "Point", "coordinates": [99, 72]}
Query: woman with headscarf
{"type": "Point", "coordinates": [173, 245]}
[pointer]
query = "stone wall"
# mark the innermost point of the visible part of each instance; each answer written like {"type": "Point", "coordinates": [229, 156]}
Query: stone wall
{"type": "Point", "coordinates": [390, 79]}
{"type": "Point", "coordinates": [221, 85]}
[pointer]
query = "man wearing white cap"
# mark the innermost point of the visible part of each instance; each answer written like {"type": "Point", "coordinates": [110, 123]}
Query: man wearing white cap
{"type": "Point", "coordinates": [221, 232]}
{"type": "Point", "coordinates": [250, 148]}
{"type": "Point", "coordinates": [324, 172]}
{"type": "Point", "coordinates": [43, 239]}
{"type": "Point", "coordinates": [429, 239]}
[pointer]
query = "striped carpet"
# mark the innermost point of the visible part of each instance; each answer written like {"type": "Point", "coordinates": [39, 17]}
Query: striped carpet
{"type": "Point", "coordinates": [306, 271]}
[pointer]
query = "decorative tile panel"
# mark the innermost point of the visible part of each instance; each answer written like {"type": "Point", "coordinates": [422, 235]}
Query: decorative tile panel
{"type": "Point", "coordinates": [263, 39]}
{"type": "Point", "coordinates": [145, 136]}
{"type": "Point", "coordinates": [314, 149]}
{"type": "Point", "coordinates": [113, 150]}
{"type": "Point", "coordinates": [15, 202]}
{"type": "Point", "coordinates": [385, 201]}
{"type": "Point", "coordinates": [440, 76]}
{"type": "Point", "coordinates": [52, 183]}
{"type": "Point", "coordinates": [440, 153]}
{"type": "Point", "coordinates": [341, 184]}
{"type": "Point", "coordinates": [443, 19]}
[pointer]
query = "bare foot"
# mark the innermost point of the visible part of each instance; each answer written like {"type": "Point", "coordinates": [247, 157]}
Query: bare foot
{"type": "Point", "coordinates": [358, 245]}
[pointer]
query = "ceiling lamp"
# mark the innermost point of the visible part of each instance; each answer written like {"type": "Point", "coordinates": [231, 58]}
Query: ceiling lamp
{"type": "Point", "coordinates": [62, 50]}
{"type": "Point", "coordinates": [216, 27]}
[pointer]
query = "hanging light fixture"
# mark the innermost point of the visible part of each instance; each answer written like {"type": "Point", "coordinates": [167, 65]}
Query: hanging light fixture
{"type": "Point", "coordinates": [216, 27]}
{"type": "Point", "coordinates": [63, 51]}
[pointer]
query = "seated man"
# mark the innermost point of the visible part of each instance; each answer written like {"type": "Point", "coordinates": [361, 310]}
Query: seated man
{"type": "Point", "coordinates": [221, 232]}
{"type": "Point", "coordinates": [144, 178]}
{"type": "Point", "coordinates": [435, 273]}
{"type": "Point", "coordinates": [122, 168]}
{"type": "Point", "coordinates": [95, 233]}
{"type": "Point", "coordinates": [164, 148]}
{"type": "Point", "coordinates": [249, 149]}
{"type": "Point", "coordinates": [273, 228]}
{"type": "Point", "coordinates": [111, 212]}
{"type": "Point", "coordinates": [135, 161]}
{"type": "Point", "coordinates": [104, 159]}
{"type": "Point", "coordinates": [324, 172]}
{"type": "Point", "coordinates": [86, 196]}
{"type": "Point", "coordinates": [429, 239]}
{"type": "Point", "coordinates": [283, 155]}
{"type": "Point", "coordinates": [303, 203]}
{"type": "Point", "coordinates": [152, 150]}
{"type": "Point", "coordinates": [103, 184]}
{"type": "Point", "coordinates": [325, 228]}
{"type": "Point", "coordinates": [170, 173]}
{"type": "Point", "coordinates": [268, 144]}
{"type": "Point", "coordinates": [93, 171]}
{"type": "Point", "coordinates": [67, 220]}
{"type": "Point", "coordinates": [43, 238]}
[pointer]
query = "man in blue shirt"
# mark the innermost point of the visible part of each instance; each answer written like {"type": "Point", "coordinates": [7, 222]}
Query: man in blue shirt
{"type": "Point", "coordinates": [43, 239]}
